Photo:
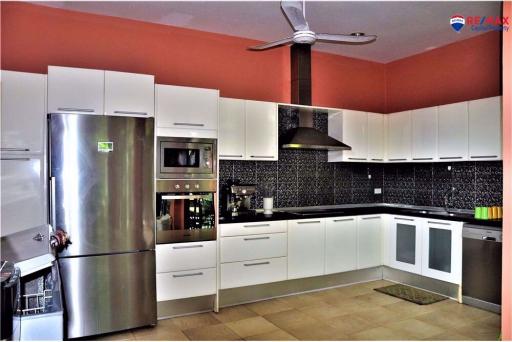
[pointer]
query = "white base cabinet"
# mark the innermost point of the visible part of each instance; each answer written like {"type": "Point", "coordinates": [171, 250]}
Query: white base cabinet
{"type": "Point", "coordinates": [186, 284]}
{"type": "Point", "coordinates": [369, 230]}
{"type": "Point", "coordinates": [306, 248]}
{"type": "Point", "coordinates": [340, 244]}
{"type": "Point", "coordinates": [405, 243]}
{"type": "Point", "coordinates": [246, 273]}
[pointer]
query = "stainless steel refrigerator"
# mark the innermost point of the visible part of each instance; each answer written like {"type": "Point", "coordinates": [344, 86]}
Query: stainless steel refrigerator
{"type": "Point", "coordinates": [101, 170]}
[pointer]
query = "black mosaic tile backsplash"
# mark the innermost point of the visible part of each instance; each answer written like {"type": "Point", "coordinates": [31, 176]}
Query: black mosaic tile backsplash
{"type": "Point", "coordinates": [304, 178]}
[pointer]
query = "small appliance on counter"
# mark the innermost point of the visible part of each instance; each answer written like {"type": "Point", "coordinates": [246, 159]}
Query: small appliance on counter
{"type": "Point", "coordinates": [238, 197]}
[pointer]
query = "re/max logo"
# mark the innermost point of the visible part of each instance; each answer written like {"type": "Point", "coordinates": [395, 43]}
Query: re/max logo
{"type": "Point", "coordinates": [487, 20]}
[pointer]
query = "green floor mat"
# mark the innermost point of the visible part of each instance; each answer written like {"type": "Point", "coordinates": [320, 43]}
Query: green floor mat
{"type": "Point", "coordinates": [411, 294]}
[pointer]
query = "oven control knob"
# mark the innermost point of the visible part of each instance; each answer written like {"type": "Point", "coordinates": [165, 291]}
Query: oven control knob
{"type": "Point", "coordinates": [196, 186]}
{"type": "Point", "coordinates": [187, 186]}
{"type": "Point", "coordinates": [177, 186]}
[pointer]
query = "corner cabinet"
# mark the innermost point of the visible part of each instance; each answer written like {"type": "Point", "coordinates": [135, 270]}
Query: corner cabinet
{"type": "Point", "coordinates": [306, 248]}
{"type": "Point", "coordinates": [376, 137]}
{"type": "Point", "coordinates": [399, 137]}
{"type": "Point", "coordinates": [424, 134]}
{"type": "Point", "coordinates": [453, 132]}
{"type": "Point", "coordinates": [485, 129]}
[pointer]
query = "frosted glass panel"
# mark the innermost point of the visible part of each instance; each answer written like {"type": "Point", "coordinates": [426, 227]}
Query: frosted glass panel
{"type": "Point", "coordinates": [406, 243]}
{"type": "Point", "coordinates": [440, 249]}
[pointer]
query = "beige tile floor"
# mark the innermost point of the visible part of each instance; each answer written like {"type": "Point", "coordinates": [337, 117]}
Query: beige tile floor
{"type": "Point", "coordinates": [355, 312]}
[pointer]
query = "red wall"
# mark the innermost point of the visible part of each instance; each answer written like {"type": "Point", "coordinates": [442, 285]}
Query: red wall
{"type": "Point", "coordinates": [33, 37]}
{"type": "Point", "coordinates": [466, 70]}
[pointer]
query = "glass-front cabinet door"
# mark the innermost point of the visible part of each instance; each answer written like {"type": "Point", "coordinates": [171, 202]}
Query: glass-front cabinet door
{"type": "Point", "coordinates": [442, 250]}
{"type": "Point", "coordinates": [405, 248]}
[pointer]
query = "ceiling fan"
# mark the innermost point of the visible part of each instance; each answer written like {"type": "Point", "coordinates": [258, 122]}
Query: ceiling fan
{"type": "Point", "coordinates": [295, 13]}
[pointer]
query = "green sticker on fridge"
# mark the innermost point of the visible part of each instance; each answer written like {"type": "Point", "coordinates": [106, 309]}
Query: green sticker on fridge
{"type": "Point", "coordinates": [105, 146]}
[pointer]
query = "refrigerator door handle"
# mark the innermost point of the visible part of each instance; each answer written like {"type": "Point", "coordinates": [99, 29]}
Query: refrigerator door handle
{"type": "Point", "coordinates": [53, 213]}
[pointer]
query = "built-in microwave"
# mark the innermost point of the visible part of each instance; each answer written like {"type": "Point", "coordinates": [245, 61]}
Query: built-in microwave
{"type": "Point", "coordinates": [185, 158]}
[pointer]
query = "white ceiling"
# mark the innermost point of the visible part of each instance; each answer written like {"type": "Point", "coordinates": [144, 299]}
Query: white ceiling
{"type": "Point", "coordinates": [403, 28]}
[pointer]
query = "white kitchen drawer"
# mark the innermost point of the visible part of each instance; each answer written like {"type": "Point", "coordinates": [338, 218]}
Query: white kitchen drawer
{"type": "Point", "coordinates": [251, 247]}
{"type": "Point", "coordinates": [186, 284]}
{"type": "Point", "coordinates": [249, 228]}
{"type": "Point", "coordinates": [186, 256]}
{"type": "Point", "coordinates": [245, 273]}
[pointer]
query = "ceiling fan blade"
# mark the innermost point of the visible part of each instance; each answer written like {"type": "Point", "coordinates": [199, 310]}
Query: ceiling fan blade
{"type": "Point", "coordinates": [295, 15]}
{"type": "Point", "coordinates": [273, 44]}
{"type": "Point", "coordinates": [345, 38]}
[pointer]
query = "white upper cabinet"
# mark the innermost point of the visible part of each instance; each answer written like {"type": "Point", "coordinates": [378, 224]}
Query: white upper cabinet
{"type": "Point", "coordinates": [376, 137]}
{"type": "Point", "coordinates": [23, 120]}
{"type": "Point", "coordinates": [424, 134]}
{"type": "Point", "coordinates": [453, 131]}
{"type": "Point", "coordinates": [485, 129]}
{"type": "Point", "coordinates": [261, 130]}
{"type": "Point", "coordinates": [306, 248]}
{"type": "Point", "coordinates": [351, 128]}
{"type": "Point", "coordinates": [186, 111]}
{"type": "Point", "coordinates": [340, 244]}
{"type": "Point", "coordinates": [232, 129]}
{"type": "Point", "coordinates": [129, 94]}
{"type": "Point", "coordinates": [399, 136]}
{"type": "Point", "coordinates": [75, 90]}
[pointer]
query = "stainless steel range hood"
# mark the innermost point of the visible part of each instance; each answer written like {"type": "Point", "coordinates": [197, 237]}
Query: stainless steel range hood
{"type": "Point", "coordinates": [305, 136]}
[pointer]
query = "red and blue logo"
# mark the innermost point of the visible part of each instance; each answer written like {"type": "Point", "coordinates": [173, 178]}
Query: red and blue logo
{"type": "Point", "coordinates": [457, 22]}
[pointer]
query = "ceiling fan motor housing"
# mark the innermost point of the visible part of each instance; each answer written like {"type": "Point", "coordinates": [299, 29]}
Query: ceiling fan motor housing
{"type": "Point", "coordinates": [304, 37]}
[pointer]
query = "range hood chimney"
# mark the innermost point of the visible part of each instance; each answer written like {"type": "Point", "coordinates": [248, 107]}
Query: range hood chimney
{"type": "Point", "coordinates": [305, 136]}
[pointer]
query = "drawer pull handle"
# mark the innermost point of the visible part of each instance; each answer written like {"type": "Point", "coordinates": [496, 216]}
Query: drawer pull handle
{"type": "Point", "coordinates": [258, 263]}
{"type": "Point", "coordinates": [187, 275]}
{"type": "Point", "coordinates": [188, 124]}
{"type": "Point", "coordinates": [450, 157]}
{"type": "Point", "coordinates": [397, 159]}
{"type": "Point", "coordinates": [129, 112]}
{"type": "Point", "coordinates": [257, 225]}
{"type": "Point", "coordinates": [230, 155]}
{"type": "Point", "coordinates": [378, 159]}
{"type": "Point", "coordinates": [13, 158]}
{"type": "Point", "coordinates": [184, 247]}
{"type": "Point", "coordinates": [476, 157]}
{"type": "Point", "coordinates": [353, 158]}
{"type": "Point", "coordinates": [403, 218]}
{"type": "Point", "coordinates": [14, 149]}
{"type": "Point", "coordinates": [442, 223]}
{"type": "Point", "coordinates": [262, 156]}
{"type": "Point", "coordinates": [82, 110]}
{"type": "Point", "coordinates": [343, 220]}
{"type": "Point", "coordinates": [422, 158]}
{"type": "Point", "coordinates": [257, 238]}
{"type": "Point", "coordinates": [306, 222]}
{"type": "Point", "coordinates": [371, 217]}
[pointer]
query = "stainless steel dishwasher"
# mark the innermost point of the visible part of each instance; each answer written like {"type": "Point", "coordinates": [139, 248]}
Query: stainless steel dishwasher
{"type": "Point", "coordinates": [481, 266]}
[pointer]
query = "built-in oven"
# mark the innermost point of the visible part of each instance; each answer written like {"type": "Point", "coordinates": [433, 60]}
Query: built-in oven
{"type": "Point", "coordinates": [186, 158]}
{"type": "Point", "coordinates": [185, 210]}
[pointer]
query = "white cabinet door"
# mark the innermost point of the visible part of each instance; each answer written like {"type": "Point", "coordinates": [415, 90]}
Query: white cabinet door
{"type": "Point", "coordinates": [186, 111]}
{"type": "Point", "coordinates": [186, 284]}
{"type": "Point", "coordinates": [246, 273]}
{"type": "Point", "coordinates": [306, 248]}
{"type": "Point", "coordinates": [128, 94]}
{"type": "Point", "coordinates": [231, 129]}
{"type": "Point", "coordinates": [23, 193]}
{"type": "Point", "coordinates": [252, 247]}
{"type": "Point", "coordinates": [399, 136]}
{"type": "Point", "coordinates": [376, 137]}
{"type": "Point", "coordinates": [442, 250]}
{"type": "Point", "coordinates": [185, 256]}
{"type": "Point", "coordinates": [424, 134]}
{"type": "Point", "coordinates": [405, 243]}
{"type": "Point", "coordinates": [453, 131]}
{"type": "Point", "coordinates": [351, 128]}
{"type": "Point", "coordinates": [75, 90]}
{"type": "Point", "coordinates": [340, 244]}
{"type": "Point", "coordinates": [23, 120]}
{"type": "Point", "coordinates": [485, 129]}
{"type": "Point", "coordinates": [261, 130]}
{"type": "Point", "coordinates": [369, 241]}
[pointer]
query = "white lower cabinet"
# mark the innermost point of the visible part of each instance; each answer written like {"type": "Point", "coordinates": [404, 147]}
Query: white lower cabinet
{"type": "Point", "coordinates": [252, 247]}
{"type": "Point", "coordinates": [252, 228]}
{"type": "Point", "coordinates": [369, 241]}
{"type": "Point", "coordinates": [186, 284]}
{"type": "Point", "coordinates": [442, 250]}
{"type": "Point", "coordinates": [246, 273]}
{"type": "Point", "coordinates": [340, 244]}
{"type": "Point", "coordinates": [405, 243]}
{"type": "Point", "coordinates": [185, 256]}
{"type": "Point", "coordinates": [306, 248]}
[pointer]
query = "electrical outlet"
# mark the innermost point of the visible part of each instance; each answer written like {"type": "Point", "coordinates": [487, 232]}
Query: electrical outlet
{"type": "Point", "coordinates": [377, 191]}
{"type": "Point", "coordinates": [449, 167]}
{"type": "Point", "coordinates": [369, 176]}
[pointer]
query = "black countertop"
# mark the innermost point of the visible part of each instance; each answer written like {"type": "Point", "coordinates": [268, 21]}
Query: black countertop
{"type": "Point", "coordinates": [358, 209]}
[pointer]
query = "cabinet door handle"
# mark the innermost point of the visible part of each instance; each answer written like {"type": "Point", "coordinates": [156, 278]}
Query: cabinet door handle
{"type": "Point", "coordinates": [81, 110]}
{"type": "Point", "coordinates": [14, 149]}
{"type": "Point", "coordinates": [343, 220]}
{"type": "Point", "coordinates": [441, 223]}
{"type": "Point", "coordinates": [231, 155]}
{"type": "Point", "coordinates": [258, 263]}
{"type": "Point", "coordinates": [371, 217]}
{"type": "Point", "coordinates": [256, 225]}
{"type": "Point", "coordinates": [188, 124]}
{"type": "Point", "coordinates": [262, 156]}
{"type": "Point", "coordinates": [257, 238]}
{"type": "Point", "coordinates": [14, 158]}
{"type": "Point", "coordinates": [397, 159]}
{"type": "Point", "coordinates": [184, 247]}
{"type": "Point", "coordinates": [187, 275]}
{"type": "Point", "coordinates": [476, 157]}
{"type": "Point", "coordinates": [422, 158]}
{"type": "Point", "coordinates": [353, 158]}
{"type": "Point", "coordinates": [129, 112]}
{"type": "Point", "coordinates": [450, 157]}
{"type": "Point", "coordinates": [378, 159]}
{"type": "Point", "coordinates": [403, 218]}
{"type": "Point", "coordinates": [306, 222]}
